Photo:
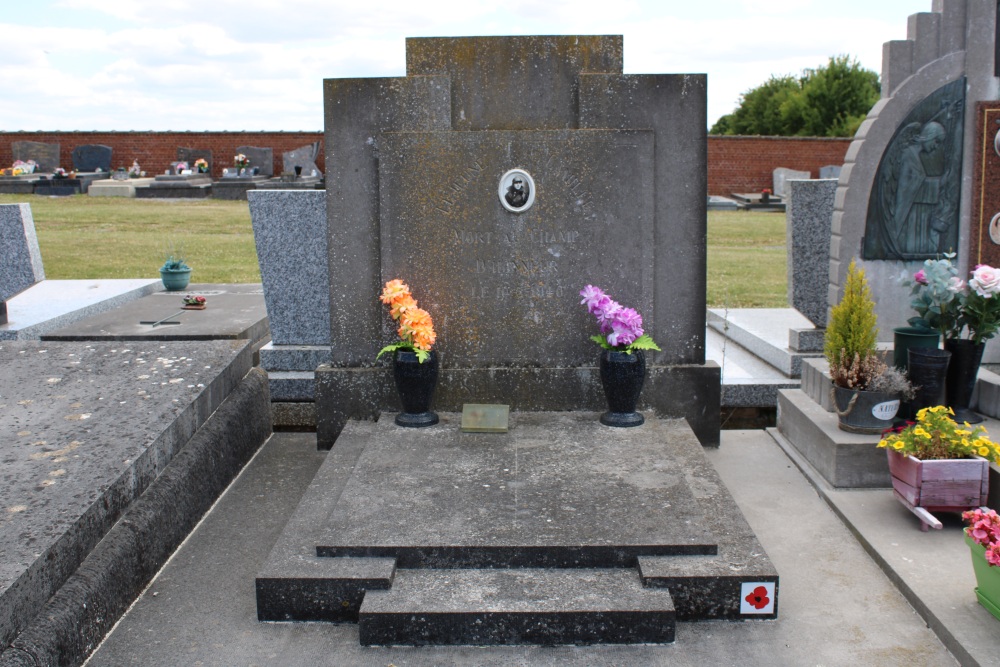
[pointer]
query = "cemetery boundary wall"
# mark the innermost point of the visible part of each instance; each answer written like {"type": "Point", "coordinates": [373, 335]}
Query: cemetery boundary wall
{"type": "Point", "coordinates": [735, 163]}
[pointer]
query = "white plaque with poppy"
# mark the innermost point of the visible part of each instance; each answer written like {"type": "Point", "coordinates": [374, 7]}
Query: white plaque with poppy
{"type": "Point", "coordinates": [757, 597]}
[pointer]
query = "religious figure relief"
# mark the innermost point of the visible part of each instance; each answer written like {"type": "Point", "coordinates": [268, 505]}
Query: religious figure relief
{"type": "Point", "coordinates": [913, 208]}
{"type": "Point", "coordinates": [517, 190]}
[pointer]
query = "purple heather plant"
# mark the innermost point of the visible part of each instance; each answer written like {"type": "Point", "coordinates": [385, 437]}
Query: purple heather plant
{"type": "Point", "coordinates": [621, 327]}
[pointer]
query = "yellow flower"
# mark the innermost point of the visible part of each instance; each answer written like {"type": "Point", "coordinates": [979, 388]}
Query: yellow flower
{"type": "Point", "coordinates": [921, 432]}
{"type": "Point", "coordinates": [921, 413]}
{"type": "Point", "coordinates": [897, 445]}
{"type": "Point", "coordinates": [883, 443]}
{"type": "Point", "coordinates": [984, 451]}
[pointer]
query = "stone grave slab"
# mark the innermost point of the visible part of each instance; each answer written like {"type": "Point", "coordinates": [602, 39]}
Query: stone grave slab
{"type": "Point", "coordinates": [88, 427]}
{"type": "Point", "coordinates": [20, 256]}
{"type": "Point", "coordinates": [113, 188]}
{"type": "Point", "coordinates": [232, 312]}
{"type": "Point", "coordinates": [45, 155]}
{"type": "Point", "coordinates": [52, 304]}
{"type": "Point", "coordinates": [235, 188]}
{"type": "Point", "coordinates": [472, 524]}
{"type": "Point", "coordinates": [460, 247]}
{"type": "Point", "coordinates": [19, 185]}
{"type": "Point", "coordinates": [190, 155]}
{"type": "Point", "coordinates": [780, 177]}
{"type": "Point", "coordinates": [176, 186]}
{"type": "Point", "coordinates": [92, 157]}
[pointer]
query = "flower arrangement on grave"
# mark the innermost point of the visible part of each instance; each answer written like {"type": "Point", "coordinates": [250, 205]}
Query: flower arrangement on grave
{"type": "Point", "coordinates": [416, 329]}
{"type": "Point", "coordinates": [134, 171]}
{"type": "Point", "coordinates": [60, 173]}
{"type": "Point", "coordinates": [181, 167]}
{"type": "Point", "coordinates": [935, 436]}
{"type": "Point", "coordinates": [175, 262]}
{"type": "Point", "coordinates": [201, 165]}
{"type": "Point", "coordinates": [241, 161]}
{"type": "Point", "coordinates": [946, 303]}
{"type": "Point", "coordinates": [195, 300]}
{"type": "Point", "coordinates": [20, 168]}
{"type": "Point", "coordinates": [621, 327]}
{"type": "Point", "coordinates": [984, 530]}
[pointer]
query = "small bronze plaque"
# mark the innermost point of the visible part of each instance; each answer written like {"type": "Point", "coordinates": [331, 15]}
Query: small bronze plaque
{"type": "Point", "coordinates": [479, 418]}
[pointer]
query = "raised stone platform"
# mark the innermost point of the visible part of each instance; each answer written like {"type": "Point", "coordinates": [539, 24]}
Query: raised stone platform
{"type": "Point", "coordinates": [561, 521]}
{"type": "Point", "coordinates": [169, 186]}
{"type": "Point", "coordinates": [88, 428]}
{"type": "Point", "coordinates": [766, 333]}
{"type": "Point", "coordinates": [235, 187]}
{"type": "Point", "coordinates": [114, 188]}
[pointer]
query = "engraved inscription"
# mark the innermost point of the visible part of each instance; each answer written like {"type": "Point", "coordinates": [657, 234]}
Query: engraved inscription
{"type": "Point", "coordinates": [447, 199]}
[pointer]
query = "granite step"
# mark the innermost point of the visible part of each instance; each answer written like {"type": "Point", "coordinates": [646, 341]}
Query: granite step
{"type": "Point", "coordinates": [517, 606]}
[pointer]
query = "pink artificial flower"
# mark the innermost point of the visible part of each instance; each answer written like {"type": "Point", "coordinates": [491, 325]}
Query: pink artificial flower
{"type": "Point", "coordinates": [956, 285]}
{"type": "Point", "coordinates": [920, 277]}
{"type": "Point", "coordinates": [993, 555]}
{"type": "Point", "coordinates": [985, 280]}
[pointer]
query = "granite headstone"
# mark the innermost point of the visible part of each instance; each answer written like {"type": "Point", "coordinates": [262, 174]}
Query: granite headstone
{"type": "Point", "coordinates": [92, 157]}
{"type": "Point", "coordinates": [20, 256]}
{"type": "Point", "coordinates": [45, 155]}
{"type": "Point", "coordinates": [190, 155]}
{"type": "Point", "coordinates": [807, 225]}
{"type": "Point", "coordinates": [830, 171]}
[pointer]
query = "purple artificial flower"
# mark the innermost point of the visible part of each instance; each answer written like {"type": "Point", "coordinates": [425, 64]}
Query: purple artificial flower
{"type": "Point", "coordinates": [592, 296]}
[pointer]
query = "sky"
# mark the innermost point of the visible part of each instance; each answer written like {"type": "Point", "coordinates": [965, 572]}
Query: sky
{"type": "Point", "coordinates": [245, 65]}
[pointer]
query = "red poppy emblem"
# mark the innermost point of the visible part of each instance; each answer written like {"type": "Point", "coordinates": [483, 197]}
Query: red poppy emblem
{"type": "Point", "coordinates": [758, 598]}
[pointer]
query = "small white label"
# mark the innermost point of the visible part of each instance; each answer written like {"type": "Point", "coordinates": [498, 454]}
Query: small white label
{"type": "Point", "coordinates": [757, 597]}
{"type": "Point", "coordinates": [886, 411]}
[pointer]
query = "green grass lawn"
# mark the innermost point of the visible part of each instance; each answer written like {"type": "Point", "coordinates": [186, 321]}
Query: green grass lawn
{"type": "Point", "coordinates": [112, 237]}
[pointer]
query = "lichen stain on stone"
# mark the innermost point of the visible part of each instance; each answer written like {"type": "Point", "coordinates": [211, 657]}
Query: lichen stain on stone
{"type": "Point", "coordinates": [37, 456]}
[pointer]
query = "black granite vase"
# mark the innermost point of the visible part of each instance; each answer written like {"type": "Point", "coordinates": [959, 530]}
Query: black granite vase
{"type": "Point", "coordinates": [961, 379]}
{"type": "Point", "coordinates": [622, 376]}
{"type": "Point", "coordinates": [415, 383]}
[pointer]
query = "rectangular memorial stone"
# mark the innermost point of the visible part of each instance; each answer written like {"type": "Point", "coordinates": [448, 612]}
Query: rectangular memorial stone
{"type": "Point", "coordinates": [20, 257]}
{"type": "Point", "coordinates": [782, 175]}
{"type": "Point", "coordinates": [190, 155]}
{"type": "Point", "coordinates": [303, 157]}
{"type": "Point", "coordinates": [45, 155]}
{"type": "Point", "coordinates": [92, 157]}
{"type": "Point", "coordinates": [499, 282]}
{"type": "Point", "coordinates": [261, 158]}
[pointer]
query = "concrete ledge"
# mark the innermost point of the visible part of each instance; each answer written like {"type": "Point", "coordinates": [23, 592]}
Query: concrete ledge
{"type": "Point", "coordinates": [78, 616]}
{"type": "Point", "coordinates": [843, 459]}
{"type": "Point", "coordinates": [685, 392]}
{"type": "Point", "coordinates": [765, 332]}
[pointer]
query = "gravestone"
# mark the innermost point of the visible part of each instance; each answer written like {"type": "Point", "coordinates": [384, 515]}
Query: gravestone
{"type": "Point", "coordinates": [303, 157]}
{"type": "Point", "coordinates": [984, 241]}
{"type": "Point", "coordinates": [190, 155]}
{"type": "Point", "coordinates": [609, 179]}
{"type": "Point", "coordinates": [807, 226]}
{"type": "Point", "coordinates": [92, 157]}
{"type": "Point", "coordinates": [261, 158]}
{"type": "Point", "coordinates": [45, 155]}
{"type": "Point", "coordinates": [782, 175]}
{"type": "Point", "coordinates": [830, 171]}
{"type": "Point", "coordinates": [20, 256]}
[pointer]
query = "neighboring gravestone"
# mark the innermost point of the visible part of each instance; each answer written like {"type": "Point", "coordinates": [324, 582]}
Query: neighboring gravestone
{"type": "Point", "coordinates": [190, 155]}
{"type": "Point", "coordinates": [782, 175]}
{"type": "Point", "coordinates": [303, 157]}
{"type": "Point", "coordinates": [984, 239]}
{"type": "Point", "coordinates": [92, 157]}
{"type": "Point", "coordinates": [20, 257]}
{"type": "Point", "coordinates": [45, 155]}
{"type": "Point", "coordinates": [260, 158]}
{"type": "Point", "coordinates": [807, 226]}
{"type": "Point", "coordinates": [830, 171]}
{"type": "Point", "coordinates": [614, 168]}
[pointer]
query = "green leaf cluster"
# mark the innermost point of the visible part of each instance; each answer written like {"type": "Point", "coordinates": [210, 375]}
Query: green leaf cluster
{"type": "Point", "coordinates": [643, 342]}
{"type": "Point", "coordinates": [852, 329]}
{"type": "Point", "coordinates": [829, 101]}
{"type": "Point", "coordinates": [400, 346]}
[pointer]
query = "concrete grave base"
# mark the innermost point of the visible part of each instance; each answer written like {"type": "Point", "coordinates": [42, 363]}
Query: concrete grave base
{"type": "Point", "coordinates": [675, 392]}
{"type": "Point", "coordinates": [115, 453]}
{"type": "Point", "coordinates": [236, 188]}
{"type": "Point", "coordinates": [433, 536]}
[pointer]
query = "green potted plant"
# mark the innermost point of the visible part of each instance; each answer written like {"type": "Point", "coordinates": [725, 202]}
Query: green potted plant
{"type": "Point", "coordinates": [983, 538]}
{"type": "Point", "coordinates": [622, 362]}
{"type": "Point", "coordinates": [175, 273]}
{"type": "Point", "coordinates": [855, 365]}
{"type": "Point", "coordinates": [938, 465]}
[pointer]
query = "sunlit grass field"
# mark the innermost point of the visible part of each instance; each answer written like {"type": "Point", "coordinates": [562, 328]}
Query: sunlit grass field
{"type": "Point", "coordinates": [111, 237]}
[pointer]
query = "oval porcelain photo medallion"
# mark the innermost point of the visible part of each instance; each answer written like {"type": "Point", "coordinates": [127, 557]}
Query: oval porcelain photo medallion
{"type": "Point", "coordinates": [885, 411]}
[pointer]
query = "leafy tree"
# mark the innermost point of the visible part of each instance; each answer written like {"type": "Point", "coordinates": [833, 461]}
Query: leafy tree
{"type": "Point", "coordinates": [829, 101]}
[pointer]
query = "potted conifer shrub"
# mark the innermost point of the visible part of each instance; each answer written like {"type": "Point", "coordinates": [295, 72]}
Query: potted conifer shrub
{"type": "Point", "coordinates": [866, 393]}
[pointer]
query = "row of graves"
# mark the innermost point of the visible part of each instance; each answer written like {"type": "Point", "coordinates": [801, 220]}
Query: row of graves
{"type": "Point", "coordinates": [36, 170]}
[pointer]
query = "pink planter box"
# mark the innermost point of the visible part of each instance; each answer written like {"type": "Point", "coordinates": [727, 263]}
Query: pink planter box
{"type": "Point", "coordinates": [951, 485]}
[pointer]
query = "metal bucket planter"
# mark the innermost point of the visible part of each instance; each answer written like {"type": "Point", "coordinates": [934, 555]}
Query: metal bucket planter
{"type": "Point", "coordinates": [868, 412]}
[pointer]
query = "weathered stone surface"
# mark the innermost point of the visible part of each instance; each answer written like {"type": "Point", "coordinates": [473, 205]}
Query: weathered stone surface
{"type": "Point", "coordinates": [808, 228]}
{"type": "Point", "coordinates": [485, 70]}
{"type": "Point", "coordinates": [20, 256]}
{"type": "Point", "coordinates": [830, 171]}
{"type": "Point", "coordinates": [263, 158]}
{"type": "Point", "coordinates": [92, 157]}
{"type": "Point", "coordinates": [291, 237]}
{"type": "Point", "coordinates": [46, 155]}
{"type": "Point", "coordinates": [91, 426]}
{"type": "Point", "coordinates": [497, 281]}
